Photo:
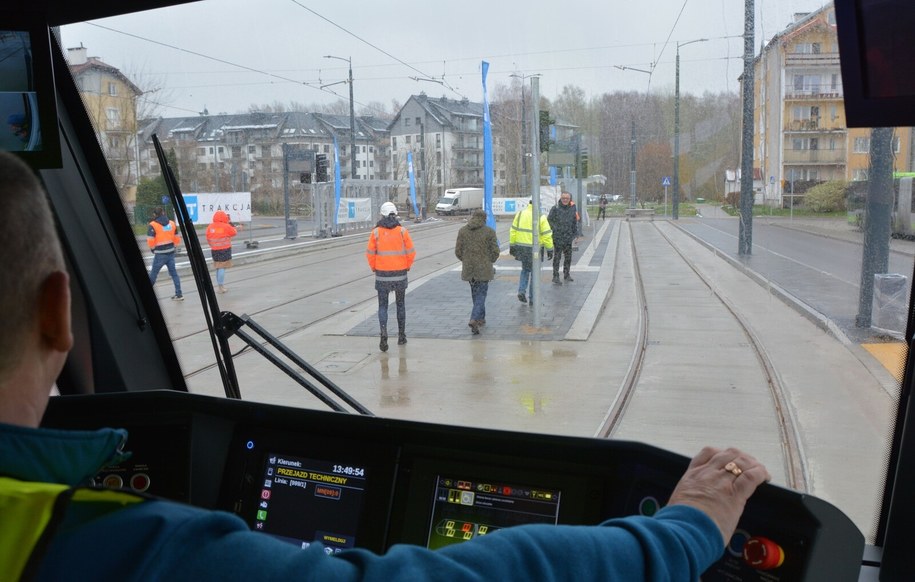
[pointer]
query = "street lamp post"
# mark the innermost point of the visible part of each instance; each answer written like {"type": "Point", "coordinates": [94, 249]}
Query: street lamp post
{"type": "Point", "coordinates": [675, 205]}
{"type": "Point", "coordinates": [352, 114]}
{"type": "Point", "coordinates": [524, 154]}
{"type": "Point", "coordinates": [633, 196]}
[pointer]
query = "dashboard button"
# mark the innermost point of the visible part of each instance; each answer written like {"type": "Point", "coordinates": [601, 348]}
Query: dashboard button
{"type": "Point", "coordinates": [763, 553]}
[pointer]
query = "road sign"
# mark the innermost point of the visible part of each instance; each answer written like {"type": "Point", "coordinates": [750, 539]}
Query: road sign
{"type": "Point", "coordinates": [666, 181]}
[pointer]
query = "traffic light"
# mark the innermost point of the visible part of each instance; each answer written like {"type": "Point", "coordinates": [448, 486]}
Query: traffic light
{"type": "Point", "coordinates": [305, 178]}
{"type": "Point", "coordinates": [545, 123]}
{"type": "Point", "coordinates": [321, 167]}
{"type": "Point", "coordinates": [583, 163]}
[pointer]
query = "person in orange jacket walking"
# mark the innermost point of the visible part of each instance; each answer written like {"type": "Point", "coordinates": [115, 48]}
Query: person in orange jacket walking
{"type": "Point", "coordinates": [390, 255]}
{"type": "Point", "coordinates": [219, 236]}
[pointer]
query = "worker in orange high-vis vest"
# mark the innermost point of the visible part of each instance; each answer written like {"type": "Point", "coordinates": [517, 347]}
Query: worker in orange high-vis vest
{"type": "Point", "coordinates": [219, 237]}
{"type": "Point", "coordinates": [164, 239]}
{"type": "Point", "coordinates": [390, 254]}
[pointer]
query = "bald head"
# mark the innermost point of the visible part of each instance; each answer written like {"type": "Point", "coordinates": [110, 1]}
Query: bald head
{"type": "Point", "coordinates": [34, 290]}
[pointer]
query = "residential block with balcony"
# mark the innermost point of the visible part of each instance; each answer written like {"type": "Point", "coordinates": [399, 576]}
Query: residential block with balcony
{"type": "Point", "coordinates": [799, 113]}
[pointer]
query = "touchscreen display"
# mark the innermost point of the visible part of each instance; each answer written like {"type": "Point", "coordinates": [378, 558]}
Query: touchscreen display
{"type": "Point", "coordinates": [463, 509]}
{"type": "Point", "coordinates": [306, 500]}
{"type": "Point", "coordinates": [18, 100]}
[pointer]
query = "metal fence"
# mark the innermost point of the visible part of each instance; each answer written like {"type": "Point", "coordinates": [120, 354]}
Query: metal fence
{"type": "Point", "coordinates": [377, 191]}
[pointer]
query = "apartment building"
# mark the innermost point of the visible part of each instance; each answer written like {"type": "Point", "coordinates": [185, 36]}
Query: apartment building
{"type": "Point", "coordinates": [244, 152]}
{"type": "Point", "coordinates": [445, 137]}
{"type": "Point", "coordinates": [799, 114]}
{"type": "Point", "coordinates": [110, 99]}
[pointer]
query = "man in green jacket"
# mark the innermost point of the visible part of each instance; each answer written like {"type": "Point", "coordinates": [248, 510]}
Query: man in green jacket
{"type": "Point", "coordinates": [521, 239]}
{"type": "Point", "coordinates": [477, 248]}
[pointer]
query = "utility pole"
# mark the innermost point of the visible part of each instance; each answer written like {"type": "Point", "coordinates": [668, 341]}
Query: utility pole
{"type": "Point", "coordinates": [675, 205]}
{"type": "Point", "coordinates": [290, 232]}
{"type": "Point", "coordinates": [578, 171]}
{"type": "Point", "coordinates": [745, 235]}
{"type": "Point", "coordinates": [422, 167]}
{"type": "Point", "coordinates": [523, 127]}
{"type": "Point", "coordinates": [352, 114]}
{"type": "Point", "coordinates": [524, 152]}
{"type": "Point", "coordinates": [878, 212]}
{"type": "Point", "coordinates": [535, 200]}
{"type": "Point", "coordinates": [632, 195]}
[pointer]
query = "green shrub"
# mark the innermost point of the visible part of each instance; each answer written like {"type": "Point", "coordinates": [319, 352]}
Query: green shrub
{"type": "Point", "coordinates": [826, 197]}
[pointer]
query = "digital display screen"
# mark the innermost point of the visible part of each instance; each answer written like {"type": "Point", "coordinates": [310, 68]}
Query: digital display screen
{"type": "Point", "coordinates": [28, 101]}
{"type": "Point", "coordinates": [18, 94]}
{"type": "Point", "coordinates": [306, 500]}
{"type": "Point", "coordinates": [463, 509]}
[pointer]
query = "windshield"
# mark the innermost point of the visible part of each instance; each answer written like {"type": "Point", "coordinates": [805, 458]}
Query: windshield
{"type": "Point", "coordinates": [709, 302]}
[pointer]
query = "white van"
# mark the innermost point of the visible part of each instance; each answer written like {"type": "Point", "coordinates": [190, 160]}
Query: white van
{"type": "Point", "coordinates": [460, 201]}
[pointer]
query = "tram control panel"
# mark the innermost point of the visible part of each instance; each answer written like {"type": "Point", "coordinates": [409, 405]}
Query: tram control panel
{"type": "Point", "coordinates": [351, 481]}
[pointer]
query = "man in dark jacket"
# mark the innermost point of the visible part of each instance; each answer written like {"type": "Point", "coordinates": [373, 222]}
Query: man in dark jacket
{"type": "Point", "coordinates": [477, 248]}
{"type": "Point", "coordinates": [602, 207]}
{"type": "Point", "coordinates": [564, 221]}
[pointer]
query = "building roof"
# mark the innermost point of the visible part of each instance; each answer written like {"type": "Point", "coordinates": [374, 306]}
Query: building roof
{"type": "Point", "coordinates": [96, 64]}
{"type": "Point", "coordinates": [287, 125]}
{"type": "Point", "coordinates": [803, 22]}
{"type": "Point", "coordinates": [442, 109]}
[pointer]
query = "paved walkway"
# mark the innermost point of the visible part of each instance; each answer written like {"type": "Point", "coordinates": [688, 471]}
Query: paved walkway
{"type": "Point", "coordinates": [439, 307]}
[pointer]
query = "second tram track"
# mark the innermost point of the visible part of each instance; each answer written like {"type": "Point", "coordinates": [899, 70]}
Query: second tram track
{"type": "Point", "coordinates": [795, 467]}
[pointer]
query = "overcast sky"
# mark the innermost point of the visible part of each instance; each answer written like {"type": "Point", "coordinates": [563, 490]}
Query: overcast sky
{"type": "Point", "coordinates": [265, 51]}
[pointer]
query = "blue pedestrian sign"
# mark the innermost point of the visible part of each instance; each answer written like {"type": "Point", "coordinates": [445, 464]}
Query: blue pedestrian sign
{"type": "Point", "coordinates": [165, 200]}
{"type": "Point", "coordinates": [666, 181]}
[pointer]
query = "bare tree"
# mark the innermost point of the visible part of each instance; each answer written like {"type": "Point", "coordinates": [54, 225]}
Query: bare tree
{"type": "Point", "coordinates": [507, 116]}
{"type": "Point", "coordinates": [376, 109]}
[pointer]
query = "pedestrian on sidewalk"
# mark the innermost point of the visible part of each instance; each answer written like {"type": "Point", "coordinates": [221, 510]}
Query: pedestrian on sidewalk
{"type": "Point", "coordinates": [478, 249]}
{"type": "Point", "coordinates": [390, 255]}
{"type": "Point", "coordinates": [219, 236]}
{"type": "Point", "coordinates": [602, 207]}
{"type": "Point", "coordinates": [564, 220]}
{"type": "Point", "coordinates": [164, 239]}
{"type": "Point", "coordinates": [521, 244]}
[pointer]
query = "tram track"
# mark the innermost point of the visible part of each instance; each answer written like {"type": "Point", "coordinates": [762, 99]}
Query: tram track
{"type": "Point", "coordinates": [792, 452]}
{"type": "Point", "coordinates": [438, 248]}
{"type": "Point", "coordinates": [329, 256]}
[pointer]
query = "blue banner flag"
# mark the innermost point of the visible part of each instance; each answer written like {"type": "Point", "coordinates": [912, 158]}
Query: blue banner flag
{"type": "Point", "coordinates": [487, 155]}
{"type": "Point", "coordinates": [412, 182]}
{"type": "Point", "coordinates": [336, 181]}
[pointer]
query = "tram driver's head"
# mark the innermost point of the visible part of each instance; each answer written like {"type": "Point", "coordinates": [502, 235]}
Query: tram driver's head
{"type": "Point", "coordinates": [34, 296]}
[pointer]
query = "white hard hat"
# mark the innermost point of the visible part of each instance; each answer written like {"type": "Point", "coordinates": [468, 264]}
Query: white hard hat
{"type": "Point", "coordinates": [388, 208]}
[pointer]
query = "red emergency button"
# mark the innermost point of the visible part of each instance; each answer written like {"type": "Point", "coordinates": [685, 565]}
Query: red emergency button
{"type": "Point", "coordinates": [139, 482]}
{"type": "Point", "coordinates": [762, 553]}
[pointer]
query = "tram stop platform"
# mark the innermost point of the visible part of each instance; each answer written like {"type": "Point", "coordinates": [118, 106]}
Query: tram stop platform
{"type": "Point", "coordinates": [439, 306]}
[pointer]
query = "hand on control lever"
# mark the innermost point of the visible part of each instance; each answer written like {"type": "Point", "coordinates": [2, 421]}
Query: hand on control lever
{"type": "Point", "coordinates": [718, 483]}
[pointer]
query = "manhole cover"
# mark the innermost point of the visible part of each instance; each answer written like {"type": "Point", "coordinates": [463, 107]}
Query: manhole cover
{"type": "Point", "coordinates": [341, 362]}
